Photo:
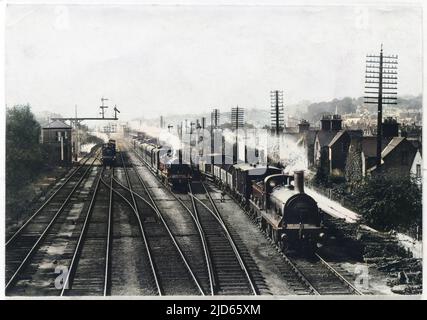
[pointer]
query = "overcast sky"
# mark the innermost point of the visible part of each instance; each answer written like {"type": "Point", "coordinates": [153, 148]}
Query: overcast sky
{"type": "Point", "coordinates": [152, 60]}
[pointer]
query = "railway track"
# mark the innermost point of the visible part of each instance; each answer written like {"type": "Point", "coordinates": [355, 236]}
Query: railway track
{"type": "Point", "coordinates": [88, 272]}
{"type": "Point", "coordinates": [174, 273]}
{"type": "Point", "coordinates": [182, 224]}
{"type": "Point", "coordinates": [61, 190]}
{"type": "Point", "coordinates": [313, 275]}
{"type": "Point", "coordinates": [227, 271]}
{"type": "Point", "coordinates": [111, 233]}
{"type": "Point", "coordinates": [305, 275]}
{"type": "Point", "coordinates": [38, 254]}
{"type": "Point", "coordinates": [231, 274]}
{"type": "Point", "coordinates": [321, 277]}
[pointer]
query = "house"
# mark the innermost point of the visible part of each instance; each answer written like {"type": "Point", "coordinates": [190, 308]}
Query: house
{"type": "Point", "coordinates": [397, 157]}
{"type": "Point", "coordinates": [330, 126]}
{"type": "Point", "coordinates": [321, 149]}
{"type": "Point", "coordinates": [338, 150]}
{"type": "Point", "coordinates": [306, 140]}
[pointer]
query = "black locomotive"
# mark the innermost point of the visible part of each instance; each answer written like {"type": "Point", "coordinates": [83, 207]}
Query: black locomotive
{"type": "Point", "coordinates": [169, 167]}
{"type": "Point", "coordinates": [286, 213]}
{"type": "Point", "coordinates": [108, 157]}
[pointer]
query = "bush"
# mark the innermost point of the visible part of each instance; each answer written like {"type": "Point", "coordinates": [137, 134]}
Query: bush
{"type": "Point", "coordinates": [389, 202]}
{"type": "Point", "coordinates": [24, 155]}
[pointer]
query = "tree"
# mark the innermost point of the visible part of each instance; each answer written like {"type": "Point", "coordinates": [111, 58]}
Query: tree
{"type": "Point", "coordinates": [23, 151]}
{"type": "Point", "coordinates": [389, 202]}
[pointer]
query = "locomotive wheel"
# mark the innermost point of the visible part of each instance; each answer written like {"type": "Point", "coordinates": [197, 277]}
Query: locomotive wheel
{"type": "Point", "coordinates": [284, 246]}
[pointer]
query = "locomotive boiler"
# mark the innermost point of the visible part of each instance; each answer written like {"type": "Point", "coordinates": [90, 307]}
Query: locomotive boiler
{"type": "Point", "coordinates": [289, 216]}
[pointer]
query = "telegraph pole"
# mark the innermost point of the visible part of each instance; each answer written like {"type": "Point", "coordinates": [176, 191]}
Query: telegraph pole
{"type": "Point", "coordinates": [161, 122]}
{"type": "Point", "coordinates": [215, 118]}
{"type": "Point", "coordinates": [237, 121]}
{"type": "Point", "coordinates": [381, 88]}
{"type": "Point", "coordinates": [191, 140]}
{"type": "Point", "coordinates": [214, 126]}
{"type": "Point", "coordinates": [76, 143]}
{"type": "Point", "coordinates": [277, 117]}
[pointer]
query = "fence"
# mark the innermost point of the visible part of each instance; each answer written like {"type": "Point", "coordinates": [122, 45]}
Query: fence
{"type": "Point", "coordinates": [333, 195]}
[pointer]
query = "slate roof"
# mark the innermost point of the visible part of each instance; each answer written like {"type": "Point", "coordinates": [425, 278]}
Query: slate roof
{"type": "Point", "coordinates": [57, 124]}
{"type": "Point", "coordinates": [369, 146]}
{"type": "Point", "coordinates": [391, 146]}
{"type": "Point", "coordinates": [336, 138]}
{"type": "Point", "coordinates": [351, 133]}
{"type": "Point", "coordinates": [325, 137]}
{"type": "Point", "coordinates": [396, 141]}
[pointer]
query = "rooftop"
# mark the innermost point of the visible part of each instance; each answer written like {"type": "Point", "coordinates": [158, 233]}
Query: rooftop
{"type": "Point", "coordinates": [57, 124]}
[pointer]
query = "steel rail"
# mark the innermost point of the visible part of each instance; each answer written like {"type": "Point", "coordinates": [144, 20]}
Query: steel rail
{"type": "Point", "coordinates": [303, 277]}
{"type": "Point", "coordinates": [167, 228]}
{"type": "Point", "coordinates": [77, 251]}
{"type": "Point", "coordinates": [43, 234]}
{"type": "Point", "coordinates": [232, 244]}
{"type": "Point", "coordinates": [212, 282]}
{"type": "Point", "coordinates": [46, 202]}
{"type": "Point", "coordinates": [107, 275]}
{"type": "Point", "coordinates": [300, 275]}
{"type": "Point", "coordinates": [236, 250]}
{"type": "Point", "coordinates": [147, 247]}
{"type": "Point", "coordinates": [294, 268]}
{"type": "Point", "coordinates": [209, 264]}
{"type": "Point", "coordinates": [338, 275]}
{"type": "Point", "coordinates": [288, 261]}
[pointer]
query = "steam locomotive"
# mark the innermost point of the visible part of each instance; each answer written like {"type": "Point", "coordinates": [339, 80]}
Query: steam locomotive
{"type": "Point", "coordinates": [289, 216]}
{"type": "Point", "coordinates": [108, 153]}
{"type": "Point", "coordinates": [169, 167]}
{"type": "Point", "coordinates": [276, 201]}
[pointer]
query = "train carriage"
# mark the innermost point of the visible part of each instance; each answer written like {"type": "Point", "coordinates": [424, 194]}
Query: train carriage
{"type": "Point", "coordinates": [221, 169]}
{"type": "Point", "coordinates": [207, 164]}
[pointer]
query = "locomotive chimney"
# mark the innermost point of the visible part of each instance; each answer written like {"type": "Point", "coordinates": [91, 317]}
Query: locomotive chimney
{"type": "Point", "coordinates": [299, 181]}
